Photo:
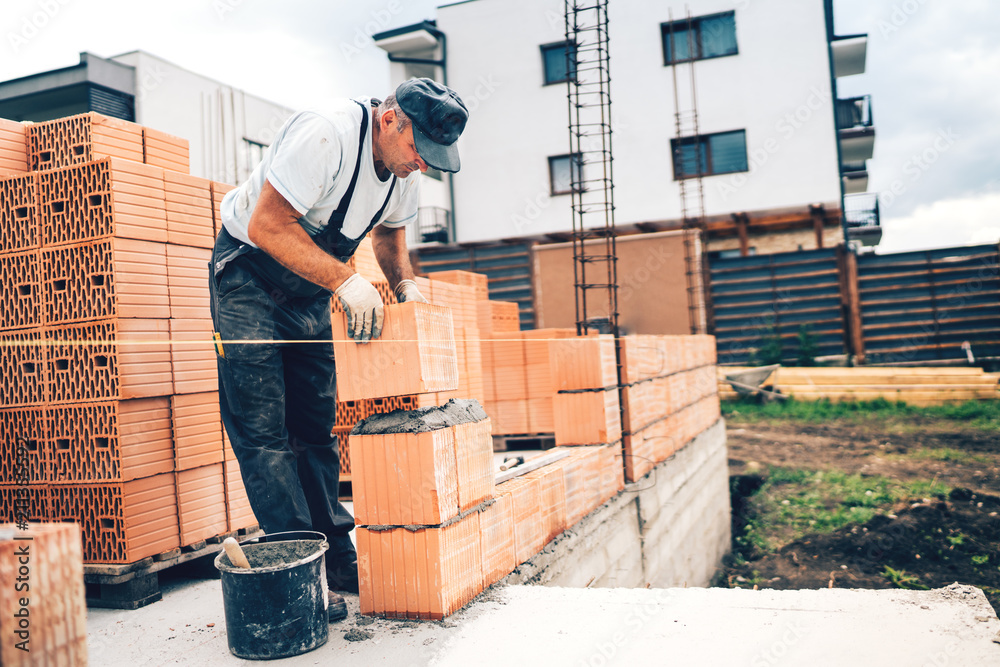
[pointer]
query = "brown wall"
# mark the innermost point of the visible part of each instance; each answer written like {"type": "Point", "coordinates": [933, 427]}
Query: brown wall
{"type": "Point", "coordinates": [652, 293]}
{"type": "Point", "coordinates": [774, 242]}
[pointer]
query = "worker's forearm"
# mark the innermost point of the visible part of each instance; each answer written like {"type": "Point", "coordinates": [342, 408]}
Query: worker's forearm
{"type": "Point", "coordinates": [295, 250]}
{"type": "Point", "coordinates": [392, 254]}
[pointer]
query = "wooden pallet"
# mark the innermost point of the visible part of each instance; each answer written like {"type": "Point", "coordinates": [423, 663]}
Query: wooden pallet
{"type": "Point", "coordinates": [506, 443]}
{"type": "Point", "coordinates": [135, 585]}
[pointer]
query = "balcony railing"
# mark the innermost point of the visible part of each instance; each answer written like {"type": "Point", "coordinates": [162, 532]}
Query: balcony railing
{"type": "Point", "coordinates": [854, 112]}
{"type": "Point", "coordinates": [861, 214]}
{"type": "Point", "coordinates": [433, 225]}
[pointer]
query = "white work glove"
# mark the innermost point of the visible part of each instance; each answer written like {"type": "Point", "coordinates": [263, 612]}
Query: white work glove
{"type": "Point", "coordinates": [363, 305]}
{"type": "Point", "coordinates": [407, 290]}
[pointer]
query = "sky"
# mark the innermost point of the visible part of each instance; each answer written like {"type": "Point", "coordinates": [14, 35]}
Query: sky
{"type": "Point", "coordinates": [932, 70]}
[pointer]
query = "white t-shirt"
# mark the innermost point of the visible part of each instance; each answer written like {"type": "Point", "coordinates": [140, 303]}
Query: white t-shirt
{"type": "Point", "coordinates": [310, 163]}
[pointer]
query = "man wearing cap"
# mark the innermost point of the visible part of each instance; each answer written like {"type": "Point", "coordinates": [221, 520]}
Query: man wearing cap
{"type": "Point", "coordinates": [326, 181]}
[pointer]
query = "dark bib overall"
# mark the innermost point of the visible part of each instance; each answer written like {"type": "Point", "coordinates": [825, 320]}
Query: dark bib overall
{"type": "Point", "coordinates": [331, 239]}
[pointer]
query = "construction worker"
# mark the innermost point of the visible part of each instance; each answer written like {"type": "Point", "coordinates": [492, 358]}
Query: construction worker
{"type": "Point", "coordinates": [326, 181]}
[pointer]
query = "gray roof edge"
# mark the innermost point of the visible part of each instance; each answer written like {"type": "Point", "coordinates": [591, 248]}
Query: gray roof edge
{"type": "Point", "coordinates": [90, 69]}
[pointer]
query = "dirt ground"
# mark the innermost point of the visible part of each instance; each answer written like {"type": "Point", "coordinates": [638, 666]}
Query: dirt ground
{"type": "Point", "coordinates": [912, 538]}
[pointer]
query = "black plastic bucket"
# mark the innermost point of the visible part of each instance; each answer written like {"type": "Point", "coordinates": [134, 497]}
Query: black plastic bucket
{"type": "Point", "coordinates": [277, 608]}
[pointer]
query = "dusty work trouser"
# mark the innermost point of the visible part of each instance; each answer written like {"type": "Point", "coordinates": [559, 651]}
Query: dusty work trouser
{"type": "Point", "coordinates": [278, 400]}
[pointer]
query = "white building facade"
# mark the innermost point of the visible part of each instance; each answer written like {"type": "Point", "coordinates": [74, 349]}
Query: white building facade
{"type": "Point", "coordinates": [771, 136]}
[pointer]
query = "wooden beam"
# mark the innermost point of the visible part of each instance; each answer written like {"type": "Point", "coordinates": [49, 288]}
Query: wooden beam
{"type": "Point", "coordinates": [818, 215]}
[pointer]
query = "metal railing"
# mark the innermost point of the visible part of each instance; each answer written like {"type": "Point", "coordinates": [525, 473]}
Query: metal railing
{"type": "Point", "coordinates": [861, 210]}
{"type": "Point", "coordinates": [854, 112]}
{"type": "Point", "coordinates": [433, 225]}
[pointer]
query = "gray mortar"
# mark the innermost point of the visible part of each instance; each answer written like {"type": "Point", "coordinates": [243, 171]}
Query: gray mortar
{"type": "Point", "coordinates": [272, 556]}
{"type": "Point", "coordinates": [422, 420]}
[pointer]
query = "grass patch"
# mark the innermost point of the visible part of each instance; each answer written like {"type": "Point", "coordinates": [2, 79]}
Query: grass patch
{"type": "Point", "coordinates": [980, 415]}
{"type": "Point", "coordinates": [946, 454]}
{"type": "Point", "coordinates": [794, 502]}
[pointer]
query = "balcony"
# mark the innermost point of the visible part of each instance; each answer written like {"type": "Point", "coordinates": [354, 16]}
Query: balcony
{"type": "Point", "coordinates": [855, 177]}
{"type": "Point", "coordinates": [862, 217]}
{"type": "Point", "coordinates": [855, 129]}
{"type": "Point", "coordinates": [849, 54]}
{"type": "Point", "coordinates": [433, 226]}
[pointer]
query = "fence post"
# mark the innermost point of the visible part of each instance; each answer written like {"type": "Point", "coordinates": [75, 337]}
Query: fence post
{"type": "Point", "coordinates": [850, 299]}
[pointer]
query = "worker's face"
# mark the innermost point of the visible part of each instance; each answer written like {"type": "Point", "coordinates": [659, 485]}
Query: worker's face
{"type": "Point", "coordinates": [398, 153]}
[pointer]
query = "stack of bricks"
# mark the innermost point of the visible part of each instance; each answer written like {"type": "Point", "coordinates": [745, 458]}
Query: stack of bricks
{"type": "Point", "coordinates": [504, 367]}
{"type": "Point", "coordinates": [670, 396]}
{"type": "Point", "coordinates": [421, 481]}
{"type": "Point", "coordinates": [107, 361]}
{"type": "Point", "coordinates": [49, 598]}
{"type": "Point", "coordinates": [585, 382]}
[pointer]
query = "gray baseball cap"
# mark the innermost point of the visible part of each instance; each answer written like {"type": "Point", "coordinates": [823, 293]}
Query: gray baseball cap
{"type": "Point", "coordinates": [438, 116]}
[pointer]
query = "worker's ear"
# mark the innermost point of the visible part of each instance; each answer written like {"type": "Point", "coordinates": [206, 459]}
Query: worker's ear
{"type": "Point", "coordinates": [388, 119]}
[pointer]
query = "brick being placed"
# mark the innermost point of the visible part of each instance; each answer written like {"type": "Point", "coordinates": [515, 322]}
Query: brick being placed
{"type": "Point", "coordinates": [166, 151]}
{"type": "Point", "coordinates": [82, 138]}
{"type": "Point", "coordinates": [496, 525]}
{"type": "Point", "coordinates": [414, 355]}
{"type": "Point", "coordinates": [23, 380]}
{"type": "Point", "coordinates": [13, 147]}
{"type": "Point", "coordinates": [421, 467]}
{"type": "Point", "coordinates": [201, 503]}
{"type": "Point", "coordinates": [587, 417]}
{"type": "Point", "coordinates": [188, 203]}
{"type": "Point", "coordinates": [21, 290]}
{"type": "Point", "coordinates": [58, 610]}
{"type": "Point", "coordinates": [109, 197]}
{"type": "Point", "coordinates": [24, 434]}
{"type": "Point", "coordinates": [104, 279]}
{"type": "Point", "coordinates": [428, 573]}
{"type": "Point", "coordinates": [19, 215]}
{"type": "Point", "coordinates": [111, 441]}
{"type": "Point", "coordinates": [197, 430]}
{"type": "Point", "coordinates": [108, 360]}
{"type": "Point", "coordinates": [121, 522]}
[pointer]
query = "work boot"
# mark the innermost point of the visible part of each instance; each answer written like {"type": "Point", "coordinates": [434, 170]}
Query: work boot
{"type": "Point", "coordinates": [337, 608]}
{"type": "Point", "coordinates": [342, 576]}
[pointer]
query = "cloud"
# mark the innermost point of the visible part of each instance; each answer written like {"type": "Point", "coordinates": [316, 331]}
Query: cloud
{"type": "Point", "coordinates": [946, 223]}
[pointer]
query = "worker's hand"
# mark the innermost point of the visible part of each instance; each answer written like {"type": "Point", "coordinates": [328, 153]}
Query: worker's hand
{"type": "Point", "coordinates": [407, 290]}
{"type": "Point", "coordinates": [363, 305]}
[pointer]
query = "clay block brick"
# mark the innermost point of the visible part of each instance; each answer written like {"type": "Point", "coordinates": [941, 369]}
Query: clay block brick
{"type": "Point", "coordinates": [238, 511]}
{"type": "Point", "coordinates": [19, 215]}
{"type": "Point", "coordinates": [192, 356]}
{"type": "Point", "coordinates": [201, 503]}
{"type": "Point", "coordinates": [611, 470]}
{"type": "Point", "coordinates": [110, 197]}
{"type": "Point", "coordinates": [474, 459]}
{"type": "Point", "coordinates": [552, 510]}
{"type": "Point", "coordinates": [58, 610]}
{"type": "Point", "coordinates": [509, 417]}
{"type": "Point", "coordinates": [23, 380]}
{"type": "Point", "coordinates": [581, 477]}
{"type": "Point", "coordinates": [497, 531]}
{"type": "Point", "coordinates": [188, 201]}
{"type": "Point", "coordinates": [187, 281]}
{"type": "Point", "coordinates": [32, 501]}
{"type": "Point", "coordinates": [587, 418]}
{"type": "Point", "coordinates": [108, 360]}
{"type": "Point", "coordinates": [505, 317]}
{"type": "Point", "coordinates": [120, 522]}
{"type": "Point", "coordinates": [166, 151]}
{"type": "Point", "coordinates": [365, 263]}
{"type": "Point", "coordinates": [428, 574]}
{"type": "Point", "coordinates": [110, 441]}
{"type": "Point", "coordinates": [197, 429]}
{"type": "Point", "coordinates": [104, 279]}
{"type": "Point", "coordinates": [82, 138]}
{"type": "Point", "coordinates": [479, 282]}
{"type": "Point", "coordinates": [219, 191]}
{"type": "Point", "coordinates": [404, 478]}
{"type": "Point", "coordinates": [530, 530]}
{"type": "Point", "coordinates": [415, 354]}
{"type": "Point", "coordinates": [586, 362]}
{"type": "Point", "coordinates": [22, 446]}
{"type": "Point", "coordinates": [13, 147]}
{"type": "Point", "coordinates": [20, 291]}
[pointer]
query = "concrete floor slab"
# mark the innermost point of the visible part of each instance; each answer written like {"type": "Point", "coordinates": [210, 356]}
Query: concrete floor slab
{"type": "Point", "coordinates": [538, 625]}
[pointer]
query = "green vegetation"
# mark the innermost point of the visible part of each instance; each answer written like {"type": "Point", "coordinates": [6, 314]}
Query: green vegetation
{"type": "Point", "coordinates": [808, 347]}
{"type": "Point", "coordinates": [946, 454]}
{"type": "Point", "coordinates": [979, 415]}
{"type": "Point", "coordinates": [771, 348]}
{"type": "Point", "coordinates": [903, 579]}
{"type": "Point", "coordinates": [793, 503]}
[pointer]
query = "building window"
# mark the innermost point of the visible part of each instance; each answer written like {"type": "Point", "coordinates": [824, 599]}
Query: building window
{"type": "Point", "coordinates": [703, 37]}
{"type": "Point", "coordinates": [709, 154]}
{"type": "Point", "coordinates": [565, 174]}
{"type": "Point", "coordinates": [255, 152]}
{"type": "Point", "coordinates": [559, 62]}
